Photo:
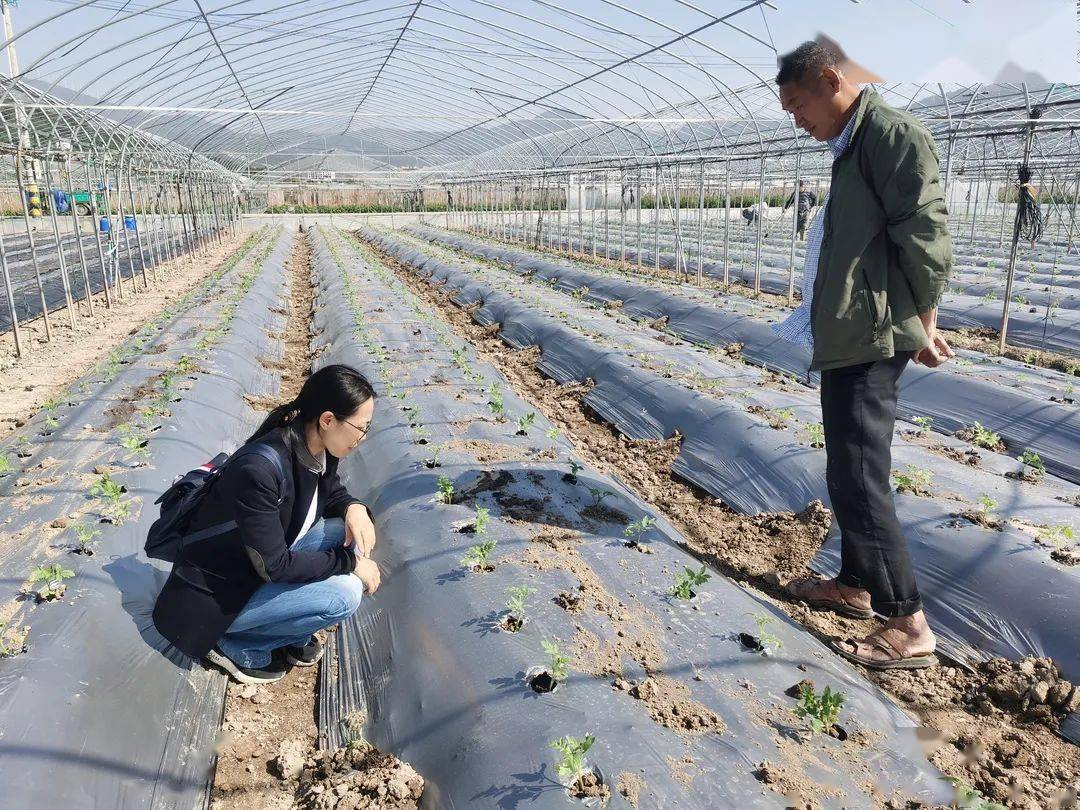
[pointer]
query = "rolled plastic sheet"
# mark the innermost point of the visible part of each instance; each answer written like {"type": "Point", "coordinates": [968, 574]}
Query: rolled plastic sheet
{"type": "Point", "coordinates": [952, 400]}
{"type": "Point", "coordinates": [424, 663]}
{"type": "Point", "coordinates": [987, 593]}
{"type": "Point", "coordinates": [101, 711]}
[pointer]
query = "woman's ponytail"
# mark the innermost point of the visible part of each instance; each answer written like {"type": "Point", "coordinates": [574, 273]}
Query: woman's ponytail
{"type": "Point", "coordinates": [339, 389]}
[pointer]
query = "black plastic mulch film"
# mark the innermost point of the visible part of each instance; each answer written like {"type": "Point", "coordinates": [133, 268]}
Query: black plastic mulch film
{"type": "Point", "coordinates": [988, 593]}
{"type": "Point", "coordinates": [442, 687]}
{"type": "Point", "coordinates": [1058, 332]}
{"type": "Point", "coordinates": [94, 714]}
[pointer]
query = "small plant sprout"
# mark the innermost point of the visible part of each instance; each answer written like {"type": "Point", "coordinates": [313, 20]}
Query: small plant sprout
{"type": "Point", "coordinates": [598, 495]}
{"type": "Point", "coordinates": [1033, 463]}
{"type": "Point", "coordinates": [133, 441]}
{"type": "Point", "coordinates": [53, 577]}
{"type": "Point", "coordinates": [352, 731]}
{"type": "Point", "coordinates": [969, 798]}
{"type": "Point", "coordinates": [516, 597]}
{"type": "Point", "coordinates": [85, 534]}
{"type": "Point", "coordinates": [984, 438]}
{"type": "Point", "coordinates": [987, 504]}
{"type": "Point", "coordinates": [552, 433]}
{"type": "Point", "coordinates": [633, 531]}
{"type": "Point", "coordinates": [444, 490]}
{"type": "Point", "coordinates": [1061, 535]}
{"type": "Point", "coordinates": [112, 493]}
{"type": "Point", "coordinates": [476, 557]}
{"type": "Point", "coordinates": [423, 434]}
{"type": "Point", "coordinates": [821, 710]}
{"type": "Point", "coordinates": [816, 432]}
{"type": "Point", "coordinates": [525, 422]}
{"type": "Point", "coordinates": [12, 643]}
{"type": "Point", "coordinates": [185, 365]}
{"type": "Point", "coordinates": [572, 765]}
{"type": "Point", "coordinates": [495, 402]}
{"type": "Point", "coordinates": [923, 423]}
{"type": "Point", "coordinates": [687, 581]}
{"type": "Point", "coordinates": [483, 517]}
{"type": "Point", "coordinates": [557, 661]}
{"type": "Point", "coordinates": [766, 640]}
{"type": "Point", "coordinates": [5, 465]}
{"type": "Point", "coordinates": [575, 468]}
{"type": "Point", "coordinates": [433, 461]}
{"type": "Point", "coordinates": [784, 415]}
{"type": "Point", "coordinates": [914, 480]}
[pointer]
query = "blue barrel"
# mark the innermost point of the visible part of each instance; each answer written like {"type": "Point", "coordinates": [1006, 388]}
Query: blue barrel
{"type": "Point", "coordinates": [103, 226]}
{"type": "Point", "coordinates": [129, 222]}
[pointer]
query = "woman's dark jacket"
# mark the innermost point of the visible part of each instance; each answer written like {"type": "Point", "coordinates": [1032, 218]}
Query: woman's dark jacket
{"type": "Point", "coordinates": [213, 579]}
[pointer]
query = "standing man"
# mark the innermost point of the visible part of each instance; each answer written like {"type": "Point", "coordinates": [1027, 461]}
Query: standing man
{"type": "Point", "coordinates": [806, 203]}
{"type": "Point", "coordinates": [878, 258]}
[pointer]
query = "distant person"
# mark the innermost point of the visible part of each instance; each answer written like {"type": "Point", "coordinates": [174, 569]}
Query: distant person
{"type": "Point", "coordinates": [807, 201]}
{"type": "Point", "coordinates": [752, 212]}
{"type": "Point", "coordinates": [249, 600]}
{"type": "Point", "coordinates": [878, 258]}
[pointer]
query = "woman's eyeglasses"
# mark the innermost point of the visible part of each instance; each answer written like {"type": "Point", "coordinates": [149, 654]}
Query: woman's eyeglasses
{"type": "Point", "coordinates": [361, 430]}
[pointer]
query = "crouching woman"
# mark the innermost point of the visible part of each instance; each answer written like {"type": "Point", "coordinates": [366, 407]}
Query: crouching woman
{"type": "Point", "coordinates": [294, 559]}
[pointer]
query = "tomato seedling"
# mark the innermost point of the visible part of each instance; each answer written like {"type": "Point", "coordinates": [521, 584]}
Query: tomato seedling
{"type": "Point", "coordinates": [687, 581]}
{"type": "Point", "coordinates": [557, 667]}
{"type": "Point", "coordinates": [476, 557]}
{"type": "Point", "coordinates": [572, 765]}
{"type": "Point", "coordinates": [444, 490]}
{"type": "Point", "coordinates": [53, 577]}
{"type": "Point", "coordinates": [822, 711]}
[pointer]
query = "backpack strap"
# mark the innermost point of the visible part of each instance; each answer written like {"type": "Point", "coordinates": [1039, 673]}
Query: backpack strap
{"type": "Point", "coordinates": [257, 449]}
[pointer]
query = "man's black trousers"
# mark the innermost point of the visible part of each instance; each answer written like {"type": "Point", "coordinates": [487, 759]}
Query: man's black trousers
{"type": "Point", "coordinates": [858, 409]}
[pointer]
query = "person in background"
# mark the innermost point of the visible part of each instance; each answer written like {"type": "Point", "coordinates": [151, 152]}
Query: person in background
{"type": "Point", "coordinates": [878, 258]}
{"type": "Point", "coordinates": [806, 203]}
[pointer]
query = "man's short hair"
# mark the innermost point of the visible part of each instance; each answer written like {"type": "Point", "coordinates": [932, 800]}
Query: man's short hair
{"type": "Point", "coordinates": [808, 60]}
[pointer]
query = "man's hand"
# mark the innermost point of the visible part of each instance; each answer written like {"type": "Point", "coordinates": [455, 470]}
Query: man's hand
{"type": "Point", "coordinates": [359, 528]}
{"type": "Point", "coordinates": [368, 572]}
{"type": "Point", "coordinates": [938, 352]}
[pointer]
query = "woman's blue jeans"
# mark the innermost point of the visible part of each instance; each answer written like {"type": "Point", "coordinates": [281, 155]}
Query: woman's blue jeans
{"type": "Point", "coordinates": [281, 614]}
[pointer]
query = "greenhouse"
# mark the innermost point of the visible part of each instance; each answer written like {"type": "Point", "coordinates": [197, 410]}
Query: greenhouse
{"type": "Point", "coordinates": [443, 403]}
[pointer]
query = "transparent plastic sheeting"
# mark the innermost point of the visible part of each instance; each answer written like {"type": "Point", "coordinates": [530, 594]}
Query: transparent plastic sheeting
{"type": "Point", "coordinates": [24, 280]}
{"type": "Point", "coordinates": [952, 400]}
{"type": "Point", "coordinates": [445, 690]}
{"type": "Point", "coordinates": [101, 711]}
{"type": "Point", "coordinates": [988, 593]}
{"type": "Point", "coordinates": [1059, 332]}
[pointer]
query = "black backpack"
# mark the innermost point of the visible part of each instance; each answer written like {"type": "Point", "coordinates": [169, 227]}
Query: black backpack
{"type": "Point", "coordinates": [168, 535]}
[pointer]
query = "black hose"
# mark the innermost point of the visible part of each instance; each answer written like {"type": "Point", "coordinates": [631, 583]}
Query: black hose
{"type": "Point", "coordinates": [1029, 218]}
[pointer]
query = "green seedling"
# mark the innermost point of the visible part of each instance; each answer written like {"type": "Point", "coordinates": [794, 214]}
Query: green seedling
{"type": "Point", "coordinates": [483, 517]}
{"type": "Point", "coordinates": [476, 557]}
{"type": "Point", "coordinates": [984, 438]}
{"type": "Point", "coordinates": [987, 504]}
{"type": "Point", "coordinates": [413, 412]}
{"type": "Point", "coordinates": [517, 595]}
{"type": "Point", "coordinates": [557, 667]}
{"type": "Point", "coordinates": [822, 711]}
{"type": "Point", "coordinates": [5, 465]}
{"type": "Point", "coordinates": [12, 643]}
{"type": "Point", "coordinates": [575, 468]}
{"type": "Point", "coordinates": [53, 577]}
{"type": "Point", "coordinates": [1033, 461]}
{"type": "Point", "coordinates": [525, 422]}
{"type": "Point", "coordinates": [423, 434]}
{"type": "Point", "coordinates": [495, 402]}
{"type": "Point", "coordinates": [85, 534]}
{"type": "Point", "coordinates": [572, 765]}
{"type": "Point", "coordinates": [923, 423]}
{"type": "Point", "coordinates": [816, 432]}
{"type": "Point", "coordinates": [687, 581]}
{"type": "Point", "coordinates": [633, 531]}
{"type": "Point", "coordinates": [133, 441]}
{"type": "Point", "coordinates": [552, 433]}
{"type": "Point", "coordinates": [1061, 535]}
{"type": "Point", "coordinates": [352, 731]}
{"type": "Point", "coordinates": [784, 415]}
{"type": "Point", "coordinates": [598, 495]}
{"type": "Point", "coordinates": [185, 365]}
{"type": "Point", "coordinates": [968, 798]}
{"type": "Point", "coordinates": [767, 640]}
{"type": "Point", "coordinates": [433, 462]}
{"type": "Point", "coordinates": [110, 491]}
{"type": "Point", "coordinates": [914, 480]}
{"type": "Point", "coordinates": [444, 490]}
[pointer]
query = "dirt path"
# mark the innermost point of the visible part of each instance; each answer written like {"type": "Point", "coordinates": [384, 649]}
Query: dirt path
{"type": "Point", "coordinates": [268, 756]}
{"type": "Point", "coordinates": [46, 367]}
{"type": "Point", "coordinates": [980, 727]}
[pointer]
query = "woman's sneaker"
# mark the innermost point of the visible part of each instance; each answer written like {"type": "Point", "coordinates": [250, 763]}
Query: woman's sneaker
{"type": "Point", "coordinates": [274, 671]}
{"type": "Point", "coordinates": [306, 655]}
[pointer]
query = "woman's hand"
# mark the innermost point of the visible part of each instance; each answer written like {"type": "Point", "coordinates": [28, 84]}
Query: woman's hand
{"type": "Point", "coordinates": [359, 528]}
{"type": "Point", "coordinates": [368, 572]}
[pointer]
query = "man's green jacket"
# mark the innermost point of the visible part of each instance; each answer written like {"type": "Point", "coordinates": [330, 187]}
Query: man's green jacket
{"type": "Point", "coordinates": [886, 253]}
